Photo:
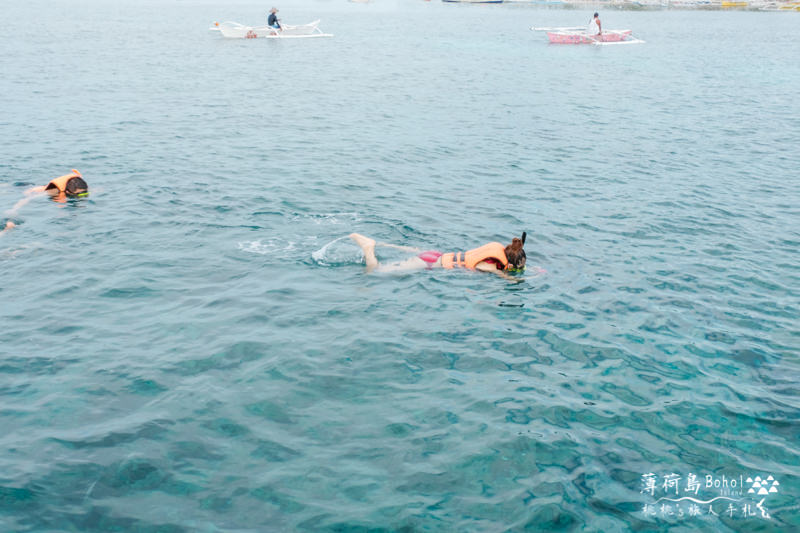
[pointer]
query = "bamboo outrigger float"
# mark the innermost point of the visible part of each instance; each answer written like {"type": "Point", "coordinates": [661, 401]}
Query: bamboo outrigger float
{"type": "Point", "coordinates": [234, 30]}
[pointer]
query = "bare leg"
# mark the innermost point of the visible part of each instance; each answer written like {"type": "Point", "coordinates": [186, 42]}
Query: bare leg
{"type": "Point", "coordinates": [398, 247]}
{"type": "Point", "coordinates": [368, 247]}
{"type": "Point", "coordinates": [412, 263]}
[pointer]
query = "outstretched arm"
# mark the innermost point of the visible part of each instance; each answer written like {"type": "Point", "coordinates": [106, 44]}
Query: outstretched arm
{"type": "Point", "coordinates": [29, 194]}
{"type": "Point", "coordinates": [492, 268]}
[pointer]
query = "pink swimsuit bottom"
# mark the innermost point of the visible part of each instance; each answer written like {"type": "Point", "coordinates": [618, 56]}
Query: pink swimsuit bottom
{"type": "Point", "coordinates": [430, 257]}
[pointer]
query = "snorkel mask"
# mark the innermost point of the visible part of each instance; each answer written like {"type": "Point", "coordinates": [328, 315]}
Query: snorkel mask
{"type": "Point", "coordinates": [76, 188]}
{"type": "Point", "coordinates": [63, 197]}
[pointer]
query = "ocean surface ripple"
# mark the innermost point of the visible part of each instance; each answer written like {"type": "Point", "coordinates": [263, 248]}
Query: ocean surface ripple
{"type": "Point", "coordinates": [196, 346]}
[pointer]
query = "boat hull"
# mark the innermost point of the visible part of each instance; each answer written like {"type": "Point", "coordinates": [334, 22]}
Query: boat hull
{"type": "Point", "coordinates": [569, 37]}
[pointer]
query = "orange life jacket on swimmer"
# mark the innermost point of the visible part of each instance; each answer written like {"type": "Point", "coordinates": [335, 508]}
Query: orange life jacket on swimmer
{"type": "Point", "coordinates": [60, 183]}
{"type": "Point", "coordinates": [60, 188]}
{"type": "Point", "coordinates": [470, 258]}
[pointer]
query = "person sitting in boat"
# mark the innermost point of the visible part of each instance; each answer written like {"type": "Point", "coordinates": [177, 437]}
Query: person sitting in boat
{"type": "Point", "coordinates": [492, 257]}
{"type": "Point", "coordinates": [272, 20]}
{"type": "Point", "coordinates": [70, 185]}
{"type": "Point", "coordinates": [595, 27]}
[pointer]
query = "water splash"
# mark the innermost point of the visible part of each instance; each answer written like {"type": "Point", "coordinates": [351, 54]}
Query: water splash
{"type": "Point", "coordinates": [338, 254]}
{"type": "Point", "coordinates": [269, 247]}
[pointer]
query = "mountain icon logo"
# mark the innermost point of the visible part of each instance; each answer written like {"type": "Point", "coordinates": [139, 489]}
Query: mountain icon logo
{"type": "Point", "coordinates": [762, 486]}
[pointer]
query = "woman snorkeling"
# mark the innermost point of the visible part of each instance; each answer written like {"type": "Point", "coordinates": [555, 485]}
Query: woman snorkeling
{"type": "Point", "coordinates": [491, 257]}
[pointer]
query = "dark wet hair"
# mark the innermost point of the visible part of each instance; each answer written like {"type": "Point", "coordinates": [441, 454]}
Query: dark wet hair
{"type": "Point", "coordinates": [515, 254]}
{"type": "Point", "coordinates": [596, 15]}
{"type": "Point", "coordinates": [75, 186]}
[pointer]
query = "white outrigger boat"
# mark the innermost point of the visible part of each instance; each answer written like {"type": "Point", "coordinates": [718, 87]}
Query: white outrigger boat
{"type": "Point", "coordinates": [234, 30]}
{"type": "Point", "coordinates": [579, 35]}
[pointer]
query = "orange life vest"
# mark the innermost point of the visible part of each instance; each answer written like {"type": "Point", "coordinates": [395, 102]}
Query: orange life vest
{"type": "Point", "coordinates": [470, 258]}
{"type": "Point", "coordinates": [60, 182]}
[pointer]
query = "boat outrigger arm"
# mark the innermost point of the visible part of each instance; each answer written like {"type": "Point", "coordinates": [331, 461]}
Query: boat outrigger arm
{"type": "Point", "coordinates": [625, 36]}
{"type": "Point", "coordinates": [563, 28]}
{"type": "Point", "coordinates": [234, 30]}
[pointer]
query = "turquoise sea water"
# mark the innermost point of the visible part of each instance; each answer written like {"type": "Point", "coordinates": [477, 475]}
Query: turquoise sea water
{"type": "Point", "coordinates": [192, 349]}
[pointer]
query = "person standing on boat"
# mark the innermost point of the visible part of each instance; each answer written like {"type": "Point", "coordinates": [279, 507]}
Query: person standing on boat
{"type": "Point", "coordinates": [272, 20]}
{"type": "Point", "coordinates": [595, 27]}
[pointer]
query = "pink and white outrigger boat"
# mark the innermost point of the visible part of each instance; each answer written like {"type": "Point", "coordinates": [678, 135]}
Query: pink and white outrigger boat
{"type": "Point", "coordinates": [579, 35]}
